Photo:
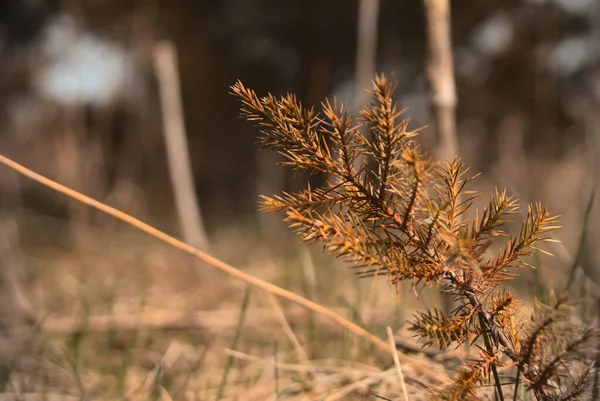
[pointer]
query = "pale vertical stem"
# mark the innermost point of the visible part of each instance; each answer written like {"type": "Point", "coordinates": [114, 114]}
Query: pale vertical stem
{"type": "Point", "coordinates": [397, 363]}
{"type": "Point", "coordinates": [366, 49]}
{"type": "Point", "coordinates": [271, 180]}
{"type": "Point", "coordinates": [14, 305]}
{"type": "Point", "coordinates": [366, 57]}
{"type": "Point", "coordinates": [593, 119]}
{"type": "Point", "coordinates": [592, 146]}
{"type": "Point", "coordinates": [440, 71]}
{"type": "Point", "coordinates": [73, 163]}
{"type": "Point", "coordinates": [289, 333]}
{"type": "Point", "coordinates": [186, 202]}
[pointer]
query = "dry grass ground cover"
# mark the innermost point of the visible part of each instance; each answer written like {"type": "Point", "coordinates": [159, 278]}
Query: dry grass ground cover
{"type": "Point", "coordinates": [135, 322]}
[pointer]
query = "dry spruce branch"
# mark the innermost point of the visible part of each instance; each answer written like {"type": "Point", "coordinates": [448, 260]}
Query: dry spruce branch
{"type": "Point", "coordinates": [394, 213]}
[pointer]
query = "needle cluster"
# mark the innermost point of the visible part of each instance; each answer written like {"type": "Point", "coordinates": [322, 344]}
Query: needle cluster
{"type": "Point", "coordinates": [394, 213]}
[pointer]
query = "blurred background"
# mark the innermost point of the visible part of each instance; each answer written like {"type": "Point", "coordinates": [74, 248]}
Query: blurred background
{"type": "Point", "coordinates": [80, 101]}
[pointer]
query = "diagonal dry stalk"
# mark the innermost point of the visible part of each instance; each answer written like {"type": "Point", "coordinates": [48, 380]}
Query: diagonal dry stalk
{"type": "Point", "coordinates": [212, 261]}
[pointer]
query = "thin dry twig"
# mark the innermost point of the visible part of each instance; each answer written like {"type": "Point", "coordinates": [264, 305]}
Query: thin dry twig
{"type": "Point", "coordinates": [295, 367]}
{"type": "Point", "coordinates": [397, 362]}
{"type": "Point", "coordinates": [173, 352]}
{"type": "Point", "coordinates": [357, 385]}
{"type": "Point", "coordinates": [211, 260]}
{"type": "Point", "coordinates": [300, 354]}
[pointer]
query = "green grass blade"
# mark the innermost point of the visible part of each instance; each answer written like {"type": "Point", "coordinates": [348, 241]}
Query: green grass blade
{"type": "Point", "coordinates": [234, 343]}
{"type": "Point", "coordinates": [518, 378]}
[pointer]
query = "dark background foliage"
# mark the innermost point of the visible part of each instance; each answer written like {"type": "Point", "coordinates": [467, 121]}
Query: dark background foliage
{"type": "Point", "coordinates": [526, 73]}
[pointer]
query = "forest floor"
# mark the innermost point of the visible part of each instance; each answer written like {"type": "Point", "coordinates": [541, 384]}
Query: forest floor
{"type": "Point", "coordinates": [123, 316]}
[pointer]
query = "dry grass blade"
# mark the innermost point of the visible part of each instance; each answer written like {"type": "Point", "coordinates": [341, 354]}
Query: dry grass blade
{"type": "Point", "coordinates": [234, 343]}
{"type": "Point", "coordinates": [153, 378]}
{"type": "Point", "coordinates": [230, 270]}
{"type": "Point", "coordinates": [321, 368]}
{"type": "Point", "coordinates": [367, 381]}
{"type": "Point", "coordinates": [289, 333]}
{"type": "Point", "coordinates": [397, 362]}
{"type": "Point", "coordinates": [38, 397]}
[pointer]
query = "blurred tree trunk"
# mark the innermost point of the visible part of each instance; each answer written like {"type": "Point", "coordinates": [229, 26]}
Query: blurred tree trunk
{"type": "Point", "coordinates": [366, 57]}
{"type": "Point", "coordinates": [188, 209]}
{"type": "Point", "coordinates": [440, 71]}
{"type": "Point", "coordinates": [366, 50]}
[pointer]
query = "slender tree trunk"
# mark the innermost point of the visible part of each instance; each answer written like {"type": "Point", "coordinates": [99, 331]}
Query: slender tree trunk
{"type": "Point", "coordinates": [366, 57]}
{"type": "Point", "coordinates": [188, 209]}
{"type": "Point", "coordinates": [440, 71]}
{"type": "Point", "coordinates": [366, 50]}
